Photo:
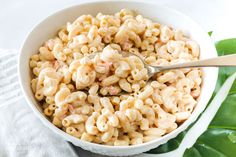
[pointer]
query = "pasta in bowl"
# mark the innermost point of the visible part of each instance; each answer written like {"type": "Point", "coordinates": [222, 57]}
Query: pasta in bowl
{"type": "Point", "coordinates": [84, 96]}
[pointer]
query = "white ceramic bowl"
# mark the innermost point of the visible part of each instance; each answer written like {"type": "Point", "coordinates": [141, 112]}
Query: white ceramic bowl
{"type": "Point", "coordinates": [51, 24]}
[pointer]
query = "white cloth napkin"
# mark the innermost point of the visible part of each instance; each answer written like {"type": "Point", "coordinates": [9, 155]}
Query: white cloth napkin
{"type": "Point", "coordinates": [21, 132]}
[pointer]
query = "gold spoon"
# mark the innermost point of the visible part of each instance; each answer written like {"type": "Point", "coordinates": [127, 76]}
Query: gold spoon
{"type": "Point", "coordinates": [222, 61]}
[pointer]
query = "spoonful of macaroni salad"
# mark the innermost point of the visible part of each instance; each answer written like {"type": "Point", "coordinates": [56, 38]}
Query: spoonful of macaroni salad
{"type": "Point", "coordinates": [122, 68]}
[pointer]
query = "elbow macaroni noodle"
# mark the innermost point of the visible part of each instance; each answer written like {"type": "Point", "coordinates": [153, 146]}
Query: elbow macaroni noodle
{"type": "Point", "coordinates": [107, 99]}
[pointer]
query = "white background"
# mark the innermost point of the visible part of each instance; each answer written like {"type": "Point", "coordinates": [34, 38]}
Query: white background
{"type": "Point", "coordinates": [17, 17]}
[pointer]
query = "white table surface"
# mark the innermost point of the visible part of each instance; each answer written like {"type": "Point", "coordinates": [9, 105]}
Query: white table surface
{"type": "Point", "coordinates": [17, 17]}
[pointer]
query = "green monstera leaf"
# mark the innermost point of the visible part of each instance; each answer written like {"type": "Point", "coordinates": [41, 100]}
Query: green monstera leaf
{"type": "Point", "coordinates": [219, 140]}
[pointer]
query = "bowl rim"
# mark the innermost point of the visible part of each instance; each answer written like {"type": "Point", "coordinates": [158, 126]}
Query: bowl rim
{"type": "Point", "coordinates": [70, 138]}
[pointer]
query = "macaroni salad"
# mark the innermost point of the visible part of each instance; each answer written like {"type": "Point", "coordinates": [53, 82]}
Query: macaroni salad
{"type": "Point", "coordinates": [106, 99]}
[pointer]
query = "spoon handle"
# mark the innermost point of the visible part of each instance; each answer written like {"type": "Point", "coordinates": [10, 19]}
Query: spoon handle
{"type": "Point", "coordinates": [227, 60]}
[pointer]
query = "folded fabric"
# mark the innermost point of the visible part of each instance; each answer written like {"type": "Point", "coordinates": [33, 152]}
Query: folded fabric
{"type": "Point", "coordinates": [21, 132]}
